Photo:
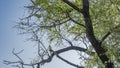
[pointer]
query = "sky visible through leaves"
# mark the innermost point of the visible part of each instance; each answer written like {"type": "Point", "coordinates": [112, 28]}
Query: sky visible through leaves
{"type": "Point", "coordinates": [10, 12]}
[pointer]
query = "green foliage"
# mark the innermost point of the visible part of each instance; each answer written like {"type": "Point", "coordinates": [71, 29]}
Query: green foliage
{"type": "Point", "coordinates": [105, 15]}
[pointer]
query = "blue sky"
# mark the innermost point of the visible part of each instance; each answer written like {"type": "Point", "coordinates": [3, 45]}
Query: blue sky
{"type": "Point", "coordinates": [10, 12]}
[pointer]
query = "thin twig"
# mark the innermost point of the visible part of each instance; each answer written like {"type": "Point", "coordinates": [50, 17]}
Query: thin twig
{"type": "Point", "coordinates": [68, 61]}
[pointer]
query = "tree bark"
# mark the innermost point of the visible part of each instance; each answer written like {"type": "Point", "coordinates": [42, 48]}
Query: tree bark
{"type": "Point", "coordinates": [90, 34]}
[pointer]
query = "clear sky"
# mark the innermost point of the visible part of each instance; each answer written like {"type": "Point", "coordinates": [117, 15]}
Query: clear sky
{"type": "Point", "coordinates": [10, 12]}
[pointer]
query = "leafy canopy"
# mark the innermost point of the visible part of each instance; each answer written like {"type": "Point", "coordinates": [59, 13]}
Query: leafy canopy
{"type": "Point", "coordinates": [55, 20]}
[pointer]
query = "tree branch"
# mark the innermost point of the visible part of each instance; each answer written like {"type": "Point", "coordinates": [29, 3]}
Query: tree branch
{"type": "Point", "coordinates": [74, 20]}
{"type": "Point", "coordinates": [68, 61]}
{"type": "Point", "coordinates": [105, 36]}
{"type": "Point", "coordinates": [50, 58]}
{"type": "Point", "coordinates": [62, 51]}
{"type": "Point", "coordinates": [16, 54]}
{"type": "Point", "coordinates": [108, 33]}
{"type": "Point", "coordinates": [90, 34]}
{"type": "Point", "coordinates": [54, 25]}
{"type": "Point", "coordinates": [66, 39]}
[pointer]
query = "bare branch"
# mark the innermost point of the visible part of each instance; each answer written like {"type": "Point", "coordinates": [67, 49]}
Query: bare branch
{"type": "Point", "coordinates": [84, 41]}
{"type": "Point", "coordinates": [16, 66]}
{"type": "Point", "coordinates": [33, 13]}
{"type": "Point", "coordinates": [66, 39]}
{"type": "Point", "coordinates": [8, 62]}
{"type": "Point", "coordinates": [52, 55]}
{"type": "Point", "coordinates": [41, 47]}
{"type": "Point", "coordinates": [61, 51]}
{"type": "Point", "coordinates": [32, 2]}
{"type": "Point", "coordinates": [38, 65]}
{"type": "Point", "coordinates": [68, 61]}
{"type": "Point", "coordinates": [33, 66]}
{"type": "Point", "coordinates": [16, 54]}
{"type": "Point", "coordinates": [71, 48]}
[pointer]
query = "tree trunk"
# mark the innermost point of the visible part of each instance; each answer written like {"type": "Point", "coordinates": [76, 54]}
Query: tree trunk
{"type": "Point", "coordinates": [90, 34]}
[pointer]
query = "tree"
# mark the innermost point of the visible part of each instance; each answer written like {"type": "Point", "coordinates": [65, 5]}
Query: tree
{"type": "Point", "coordinates": [90, 27]}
